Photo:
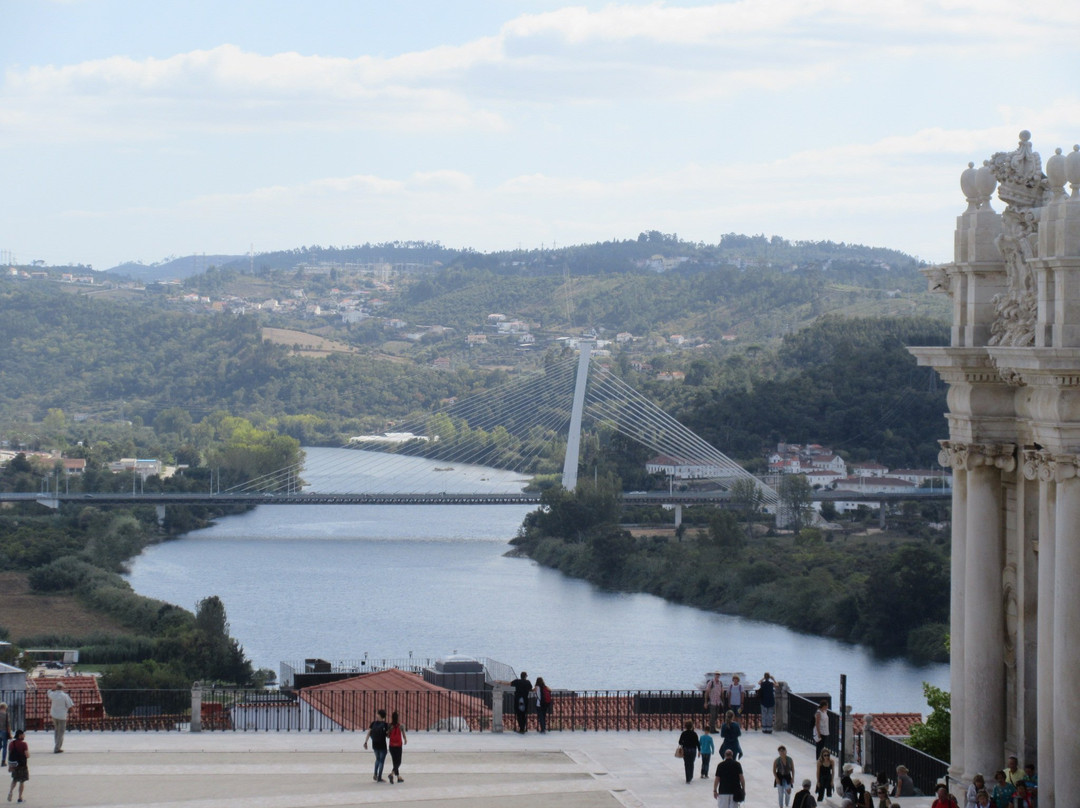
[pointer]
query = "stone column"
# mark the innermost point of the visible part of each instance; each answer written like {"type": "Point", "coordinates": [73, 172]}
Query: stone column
{"type": "Point", "coordinates": [984, 617]}
{"type": "Point", "coordinates": [497, 707]}
{"type": "Point", "coordinates": [1045, 653]}
{"type": "Point", "coordinates": [196, 707]}
{"type": "Point", "coordinates": [1066, 763]}
{"type": "Point", "coordinates": [956, 615]}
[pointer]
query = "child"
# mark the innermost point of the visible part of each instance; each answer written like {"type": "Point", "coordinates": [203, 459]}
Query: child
{"type": "Point", "coordinates": [705, 747]}
{"type": "Point", "coordinates": [18, 754]}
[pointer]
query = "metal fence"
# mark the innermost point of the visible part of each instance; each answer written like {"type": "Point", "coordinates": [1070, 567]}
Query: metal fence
{"type": "Point", "coordinates": [330, 709]}
{"type": "Point", "coordinates": [884, 754]}
{"type": "Point", "coordinates": [800, 722]}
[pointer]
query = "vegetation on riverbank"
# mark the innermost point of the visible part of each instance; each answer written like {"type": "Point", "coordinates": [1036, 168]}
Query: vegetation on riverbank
{"type": "Point", "coordinates": [890, 593]}
{"type": "Point", "coordinates": [73, 557]}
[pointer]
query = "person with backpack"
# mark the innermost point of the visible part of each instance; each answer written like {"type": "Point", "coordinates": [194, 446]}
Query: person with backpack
{"type": "Point", "coordinates": [377, 735]}
{"type": "Point", "coordinates": [543, 703]}
{"type": "Point", "coordinates": [397, 741]}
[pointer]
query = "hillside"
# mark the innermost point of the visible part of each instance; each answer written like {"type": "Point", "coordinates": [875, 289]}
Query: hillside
{"type": "Point", "coordinates": [749, 341]}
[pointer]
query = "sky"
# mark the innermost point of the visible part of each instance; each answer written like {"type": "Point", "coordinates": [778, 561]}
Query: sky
{"type": "Point", "coordinates": [137, 130]}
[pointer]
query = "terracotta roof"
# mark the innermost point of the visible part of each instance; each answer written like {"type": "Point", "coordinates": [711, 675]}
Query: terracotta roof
{"type": "Point", "coordinates": [352, 702]}
{"type": "Point", "coordinates": [894, 724]}
{"type": "Point", "coordinates": [82, 689]}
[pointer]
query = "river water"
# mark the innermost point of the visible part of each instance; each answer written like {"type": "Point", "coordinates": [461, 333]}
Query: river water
{"type": "Point", "coordinates": [336, 582]}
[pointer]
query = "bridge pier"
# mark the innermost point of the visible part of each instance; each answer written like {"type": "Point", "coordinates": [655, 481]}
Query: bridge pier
{"type": "Point", "coordinates": [678, 515]}
{"type": "Point", "coordinates": [160, 511]}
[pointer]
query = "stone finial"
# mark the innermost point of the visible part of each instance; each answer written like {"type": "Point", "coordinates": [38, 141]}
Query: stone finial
{"type": "Point", "coordinates": [969, 187]}
{"type": "Point", "coordinates": [1072, 171]}
{"type": "Point", "coordinates": [985, 183]}
{"type": "Point", "coordinates": [1056, 174]}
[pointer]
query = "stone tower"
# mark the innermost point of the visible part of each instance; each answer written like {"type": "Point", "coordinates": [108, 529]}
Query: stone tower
{"type": "Point", "coordinates": [1013, 369]}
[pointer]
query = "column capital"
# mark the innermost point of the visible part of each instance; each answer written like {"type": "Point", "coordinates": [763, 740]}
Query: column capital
{"type": "Point", "coordinates": [958, 455]}
{"type": "Point", "coordinates": [1066, 467]}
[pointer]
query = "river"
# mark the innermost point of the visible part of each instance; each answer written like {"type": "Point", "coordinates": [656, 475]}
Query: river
{"type": "Point", "coordinates": [336, 582]}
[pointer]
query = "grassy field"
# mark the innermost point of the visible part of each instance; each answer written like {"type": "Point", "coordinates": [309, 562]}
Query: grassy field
{"type": "Point", "coordinates": [24, 613]}
{"type": "Point", "coordinates": [304, 344]}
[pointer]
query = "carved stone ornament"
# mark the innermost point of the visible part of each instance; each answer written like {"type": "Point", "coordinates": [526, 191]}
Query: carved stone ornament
{"type": "Point", "coordinates": [971, 455]}
{"type": "Point", "coordinates": [939, 278]}
{"type": "Point", "coordinates": [1038, 464]}
{"type": "Point", "coordinates": [1023, 187]}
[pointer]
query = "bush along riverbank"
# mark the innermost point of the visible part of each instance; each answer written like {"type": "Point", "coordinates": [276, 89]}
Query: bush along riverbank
{"type": "Point", "coordinates": [890, 592]}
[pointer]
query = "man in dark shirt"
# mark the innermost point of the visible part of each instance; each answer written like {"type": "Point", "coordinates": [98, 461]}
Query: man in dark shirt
{"type": "Point", "coordinates": [377, 735]}
{"type": "Point", "coordinates": [729, 781]}
{"type": "Point", "coordinates": [522, 687]}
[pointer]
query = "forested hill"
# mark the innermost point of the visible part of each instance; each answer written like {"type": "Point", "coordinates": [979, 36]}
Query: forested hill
{"type": "Point", "coordinates": [846, 383]}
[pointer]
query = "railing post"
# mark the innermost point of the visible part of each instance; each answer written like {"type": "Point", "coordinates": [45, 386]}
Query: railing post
{"type": "Point", "coordinates": [849, 734]}
{"type": "Point", "coordinates": [867, 749]}
{"type": "Point", "coordinates": [783, 705]}
{"type": "Point", "coordinates": [497, 693]}
{"type": "Point", "coordinates": [196, 707]}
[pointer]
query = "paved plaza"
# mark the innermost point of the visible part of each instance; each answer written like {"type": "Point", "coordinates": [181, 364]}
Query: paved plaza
{"type": "Point", "coordinates": [308, 770]}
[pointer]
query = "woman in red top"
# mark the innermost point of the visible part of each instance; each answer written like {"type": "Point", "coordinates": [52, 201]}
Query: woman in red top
{"type": "Point", "coordinates": [18, 754]}
{"type": "Point", "coordinates": [397, 740]}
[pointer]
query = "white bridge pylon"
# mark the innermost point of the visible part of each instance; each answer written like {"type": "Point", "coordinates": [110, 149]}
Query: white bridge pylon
{"type": "Point", "coordinates": [615, 402]}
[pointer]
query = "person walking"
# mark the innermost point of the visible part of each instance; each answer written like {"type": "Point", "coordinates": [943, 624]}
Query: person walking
{"type": "Point", "coordinates": [705, 746]}
{"type": "Point", "coordinates": [5, 732]}
{"type": "Point", "coordinates": [397, 741]}
{"type": "Point", "coordinates": [826, 768]}
{"type": "Point", "coordinates": [783, 769]}
{"type": "Point", "coordinates": [729, 785]}
{"type": "Point", "coordinates": [730, 732]}
{"type": "Point", "coordinates": [377, 733]}
{"type": "Point", "coordinates": [767, 699]}
{"type": "Point", "coordinates": [821, 728]}
{"type": "Point", "coordinates": [543, 703]}
{"type": "Point", "coordinates": [688, 745]}
{"type": "Point", "coordinates": [58, 711]}
{"type": "Point", "coordinates": [18, 757]}
{"type": "Point", "coordinates": [522, 687]}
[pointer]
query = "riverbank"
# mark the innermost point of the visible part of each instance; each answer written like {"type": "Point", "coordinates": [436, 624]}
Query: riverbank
{"type": "Point", "coordinates": [842, 586]}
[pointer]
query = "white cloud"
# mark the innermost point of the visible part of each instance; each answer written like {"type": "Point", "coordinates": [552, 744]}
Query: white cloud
{"type": "Point", "coordinates": [654, 51]}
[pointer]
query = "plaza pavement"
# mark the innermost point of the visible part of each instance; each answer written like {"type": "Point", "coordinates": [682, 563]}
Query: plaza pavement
{"type": "Point", "coordinates": [311, 770]}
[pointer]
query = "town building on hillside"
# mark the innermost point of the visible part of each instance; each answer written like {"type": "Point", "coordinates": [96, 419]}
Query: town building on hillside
{"type": "Point", "coordinates": [869, 469]}
{"type": "Point", "coordinates": [143, 467]}
{"type": "Point", "coordinates": [937, 478]}
{"type": "Point", "coordinates": [822, 478]}
{"type": "Point", "coordinates": [872, 484]}
{"type": "Point", "coordinates": [74, 465]}
{"type": "Point", "coordinates": [681, 468]}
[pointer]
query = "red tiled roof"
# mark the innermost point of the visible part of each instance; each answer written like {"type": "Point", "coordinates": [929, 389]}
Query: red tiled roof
{"type": "Point", "coordinates": [894, 724]}
{"type": "Point", "coordinates": [352, 702]}
{"type": "Point", "coordinates": [82, 689]}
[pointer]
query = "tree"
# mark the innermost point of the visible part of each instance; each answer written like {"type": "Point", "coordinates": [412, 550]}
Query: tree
{"type": "Point", "coordinates": [748, 498]}
{"type": "Point", "coordinates": [795, 494]}
{"type": "Point", "coordinates": [934, 736]}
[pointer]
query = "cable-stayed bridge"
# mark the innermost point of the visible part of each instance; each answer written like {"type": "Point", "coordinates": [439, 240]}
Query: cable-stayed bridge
{"type": "Point", "coordinates": [494, 448]}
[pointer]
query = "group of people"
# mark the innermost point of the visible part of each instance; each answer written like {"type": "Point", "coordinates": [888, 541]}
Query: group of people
{"type": "Point", "coordinates": [1013, 788]}
{"type": "Point", "coordinates": [526, 694]}
{"type": "Point", "coordinates": [387, 737]}
{"type": "Point", "coordinates": [721, 699]}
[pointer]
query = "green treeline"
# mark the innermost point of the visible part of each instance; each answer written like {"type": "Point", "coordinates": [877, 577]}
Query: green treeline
{"type": "Point", "coordinates": [889, 594]}
{"type": "Point", "coordinates": [846, 383]}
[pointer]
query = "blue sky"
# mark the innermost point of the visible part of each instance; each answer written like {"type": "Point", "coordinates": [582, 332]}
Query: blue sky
{"type": "Point", "coordinates": [138, 130]}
